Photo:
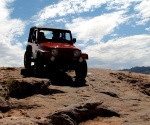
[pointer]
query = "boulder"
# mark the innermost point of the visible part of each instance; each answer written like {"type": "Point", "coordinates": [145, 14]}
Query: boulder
{"type": "Point", "coordinates": [24, 87]}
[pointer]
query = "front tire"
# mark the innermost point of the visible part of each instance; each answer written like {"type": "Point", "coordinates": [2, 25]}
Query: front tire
{"type": "Point", "coordinates": [81, 71]}
{"type": "Point", "coordinates": [27, 60]}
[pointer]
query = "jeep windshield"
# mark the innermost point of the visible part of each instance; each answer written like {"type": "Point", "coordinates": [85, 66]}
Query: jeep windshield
{"type": "Point", "coordinates": [62, 36]}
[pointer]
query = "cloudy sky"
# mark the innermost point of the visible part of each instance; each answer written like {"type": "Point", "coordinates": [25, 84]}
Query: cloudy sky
{"type": "Point", "coordinates": [114, 33]}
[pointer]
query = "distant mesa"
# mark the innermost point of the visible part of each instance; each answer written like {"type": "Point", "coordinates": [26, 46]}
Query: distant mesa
{"type": "Point", "coordinates": [137, 69]}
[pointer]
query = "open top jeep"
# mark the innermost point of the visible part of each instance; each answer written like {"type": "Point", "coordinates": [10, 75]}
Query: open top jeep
{"type": "Point", "coordinates": [54, 49]}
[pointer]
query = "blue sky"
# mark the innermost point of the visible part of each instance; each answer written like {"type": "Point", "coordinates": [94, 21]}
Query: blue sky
{"type": "Point", "coordinates": [114, 33]}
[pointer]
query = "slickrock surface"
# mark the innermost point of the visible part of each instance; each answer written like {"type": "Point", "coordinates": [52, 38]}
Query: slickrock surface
{"type": "Point", "coordinates": [107, 98]}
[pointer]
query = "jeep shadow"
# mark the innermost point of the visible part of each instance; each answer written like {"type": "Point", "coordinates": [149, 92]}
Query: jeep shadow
{"type": "Point", "coordinates": [58, 78]}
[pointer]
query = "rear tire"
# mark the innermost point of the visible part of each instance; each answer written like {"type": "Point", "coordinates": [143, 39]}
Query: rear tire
{"type": "Point", "coordinates": [27, 60]}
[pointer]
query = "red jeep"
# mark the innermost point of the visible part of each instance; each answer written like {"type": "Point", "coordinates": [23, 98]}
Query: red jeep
{"type": "Point", "coordinates": [53, 49]}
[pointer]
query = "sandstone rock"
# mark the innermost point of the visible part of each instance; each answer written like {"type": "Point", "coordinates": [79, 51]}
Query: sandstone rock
{"type": "Point", "coordinates": [5, 105]}
{"type": "Point", "coordinates": [21, 88]}
{"type": "Point", "coordinates": [109, 98]}
{"type": "Point", "coordinates": [78, 114]}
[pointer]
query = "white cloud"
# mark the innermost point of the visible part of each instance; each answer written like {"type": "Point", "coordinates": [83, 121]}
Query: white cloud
{"type": "Point", "coordinates": [96, 28]}
{"type": "Point", "coordinates": [120, 53]}
{"type": "Point", "coordinates": [11, 52]}
{"type": "Point", "coordinates": [4, 12]}
{"type": "Point", "coordinates": [147, 29]}
{"type": "Point", "coordinates": [11, 55]}
{"type": "Point", "coordinates": [66, 7]}
{"type": "Point", "coordinates": [144, 11]}
{"type": "Point", "coordinates": [69, 7]}
{"type": "Point", "coordinates": [120, 4]}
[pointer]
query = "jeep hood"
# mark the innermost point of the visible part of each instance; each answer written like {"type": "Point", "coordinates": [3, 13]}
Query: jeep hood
{"type": "Point", "coordinates": [58, 45]}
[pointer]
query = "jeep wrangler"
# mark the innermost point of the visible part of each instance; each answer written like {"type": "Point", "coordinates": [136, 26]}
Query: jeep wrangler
{"type": "Point", "coordinates": [54, 49]}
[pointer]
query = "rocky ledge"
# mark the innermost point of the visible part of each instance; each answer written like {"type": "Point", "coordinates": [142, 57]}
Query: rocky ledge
{"type": "Point", "coordinates": [107, 97]}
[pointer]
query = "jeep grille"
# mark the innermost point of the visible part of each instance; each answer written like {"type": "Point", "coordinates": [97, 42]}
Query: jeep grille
{"type": "Point", "coordinates": [65, 54]}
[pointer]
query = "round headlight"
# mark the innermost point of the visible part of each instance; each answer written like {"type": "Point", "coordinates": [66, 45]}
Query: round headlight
{"type": "Point", "coordinates": [77, 53]}
{"type": "Point", "coordinates": [54, 52]}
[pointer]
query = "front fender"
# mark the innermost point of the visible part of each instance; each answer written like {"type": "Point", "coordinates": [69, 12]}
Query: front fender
{"type": "Point", "coordinates": [84, 56]}
{"type": "Point", "coordinates": [29, 48]}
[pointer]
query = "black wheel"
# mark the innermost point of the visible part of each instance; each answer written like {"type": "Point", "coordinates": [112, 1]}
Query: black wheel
{"type": "Point", "coordinates": [27, 60]}
{"type": "Point", "coordinates": [81, 71]}
{"type": "Point", "coordinates": [38, 66]}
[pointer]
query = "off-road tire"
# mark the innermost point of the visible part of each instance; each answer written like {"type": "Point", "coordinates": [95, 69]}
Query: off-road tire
{"type": "Point", "coordinates": [81, 71]}
{"type": "Point", "coordinates": [27, 60]}
{"type": "Point", "coordinates": [38, 66]}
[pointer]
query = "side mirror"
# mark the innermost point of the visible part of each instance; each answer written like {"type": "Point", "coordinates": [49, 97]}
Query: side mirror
{"type": "Point", "coordinates": [74, 40]}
